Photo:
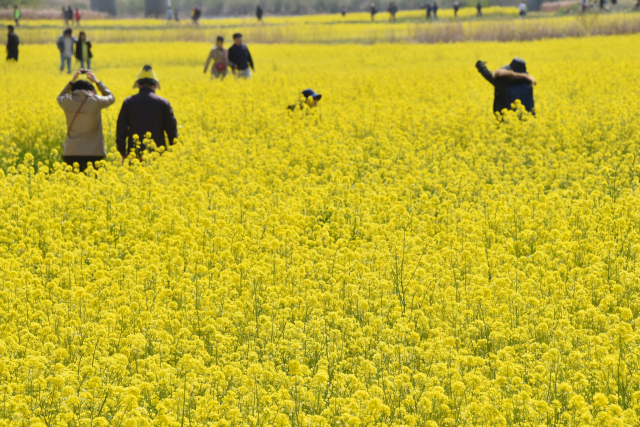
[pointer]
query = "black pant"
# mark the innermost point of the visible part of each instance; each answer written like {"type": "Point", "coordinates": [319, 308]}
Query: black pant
{"type": "Point", "coordinates": [12, 55]}
{"type": "Point", "coordinates": [81, 160]}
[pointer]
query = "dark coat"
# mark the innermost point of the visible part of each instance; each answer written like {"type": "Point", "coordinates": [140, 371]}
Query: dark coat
{"type": "Point", "coordinates": [501, 84]}
{"type": "Point", "coordinates": [240, 57]}
{"type": "Point", "coordinates": [142, 113]}
{"type": "Point", "coordinates": [12, 43]}
{"type": "Point", "coordinates": [79, 49]}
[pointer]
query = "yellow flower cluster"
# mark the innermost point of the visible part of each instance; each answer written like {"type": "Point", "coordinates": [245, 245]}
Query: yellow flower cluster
{"type": "Point", "coordinates": [393, 257]}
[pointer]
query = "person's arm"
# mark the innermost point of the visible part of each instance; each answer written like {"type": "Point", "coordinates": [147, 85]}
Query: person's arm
{"type": "Point", "coordinates": [209, 58]}
{"type": "Point", "coordinates": [107, 97]}
{"type": "Point", "coordinates": [250, 60]}
{"type": "Point", "coordinates": [170, 124]}
{"type": "Point", "coordinates": [510, 74]}
{"type": "Point", "coordinates": [231, 57]}
{"type": "Point", "coordinates": [482, 69]}
{"type": "Point", "coordinates": [66, 92]}
{"type": "Point", "coordinates": [122, 130]}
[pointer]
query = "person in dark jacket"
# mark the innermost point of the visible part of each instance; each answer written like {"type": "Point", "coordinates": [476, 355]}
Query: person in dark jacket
{"type": "Point", "coordinates": [393, 9]}
{"type": "Point", "coordinates": [434, 6]}
{"type": "Point", "coordinates": [479, 7]}
{"type": "Point", "coordinates": [259, 13]}
{"type": "Point", "coordinates": [456, 7]}
{"type": "Point", "coordinates": [309, 97]}
{"type": "Point", "coordinates": [501, 79]}
{"type": "Point", "coordinates": [240, 58]}
{"type": "Point", "coordinates": [83, 50]}
{"type": "Point", "coordinates": [373, 10]}
{"type": "Point", "coordinates": [12, 44]}
{"type": "Point", "coordinates": [142, 113]}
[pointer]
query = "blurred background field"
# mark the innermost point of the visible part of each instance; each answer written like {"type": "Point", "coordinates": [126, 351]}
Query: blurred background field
{"type": "Point", "coordinates": [497, 24]}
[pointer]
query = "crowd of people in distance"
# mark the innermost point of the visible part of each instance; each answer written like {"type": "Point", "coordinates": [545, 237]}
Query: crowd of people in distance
{"type": "Point", "coordinates": [70, 17]}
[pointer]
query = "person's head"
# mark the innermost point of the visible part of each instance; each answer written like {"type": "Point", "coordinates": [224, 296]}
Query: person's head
{"type": "Point", "coordinates": [82, 36]}
{"type": "Point", "coordinates": [83, 85]}
{"type": "Point", "coordinates": [68, 32]}
{"type": "Point", "coordinates": [518, 65]}
{"type": "Point", "coordinates": [237, 38]}
{"type": "Point", "coordinates": [147, 78]}
{"type": "Point", "coordinates": [311, 97]}
{"type": "Point", "coordinates": [219, 41]}
{"type": "Point", "coordinates": [10, 28]}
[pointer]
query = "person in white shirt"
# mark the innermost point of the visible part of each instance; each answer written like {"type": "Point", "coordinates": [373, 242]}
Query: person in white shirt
{"type": "Point", "coordinates": [523, 8]}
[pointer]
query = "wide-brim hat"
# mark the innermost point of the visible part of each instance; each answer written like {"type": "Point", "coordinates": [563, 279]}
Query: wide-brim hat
{"type": "Point", "coordinates": [147, 73]}
{"type": "Point", "coordinates": [518, 65]}
{"type": "Point", "coordinates": [311, 93]}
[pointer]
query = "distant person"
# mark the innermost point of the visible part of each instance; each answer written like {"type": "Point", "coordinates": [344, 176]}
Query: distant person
{"type": "Point", "coordinates": [602, 4]}
{"type": "Point", "coordinates": [70, 14]}
{"type": "Point", "coordinates": [511, 82]}
{"type": "Point", "coordinates": [65, 16]}
{"type": "Point", "coordinates": [427, 7]}
{"type": "Point", "coordinates": [310, 99]}
{"type": "Point", "coordinates": [82, 108]}
{"type": "Point", "coordinates": [344, 11]}
{"type": "Point", "coordinates": [479, 8]}
{"type": "Point", "coordinates": [145, 112]}
{"type": "Point", "coordinates": [77, 16]}
{"type": "Point", "coordinates": [259, 13]}
{"type": "Point", "coordinates": [16, 14]}
{"type": "Point", "coordinates": [523, 9]}
{"type": "Point", "coordinates": [373, 10]}
{"type": "Point", "coordinates": [195, 14]}
{"type": "Point", "coordinates": [393, 9]}
{"type": "Point", "coordinates": [66, 43]}
{"type": "Point", "coordinates": [83, 50]}
{"type": "Point", "coordinates": [240, 58]}
{"type": "Point", "coordinates": [585, 5]}
{"type": "Point", "coordinates": [456, 7]}
{"type": "Point", "coordinates": [175, 14]}
{"type": "Point", "coordinates": [169, 14]}
{"type": "Point", "coordinates": [220, 57]}
{"type": "Point", "coordinates": [12, 44]}
{"type": "Point", "coordinates": [435, 10]}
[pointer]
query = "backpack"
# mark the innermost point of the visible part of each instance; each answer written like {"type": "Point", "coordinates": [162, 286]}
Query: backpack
{"type": "Point", "coordinates": [523, 92]}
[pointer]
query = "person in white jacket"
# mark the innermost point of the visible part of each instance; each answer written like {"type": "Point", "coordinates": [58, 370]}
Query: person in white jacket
{"type": "Point", "coordinates": [83, 110]}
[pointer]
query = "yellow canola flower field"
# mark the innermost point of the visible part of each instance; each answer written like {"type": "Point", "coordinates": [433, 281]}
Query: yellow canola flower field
{"type": "Point", "coordinates": [393, 257]}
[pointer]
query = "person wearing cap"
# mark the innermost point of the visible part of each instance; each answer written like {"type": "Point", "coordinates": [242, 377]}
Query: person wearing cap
{"type": "Point", "coordinates": [145, 112]}
{"type": "Point", "coordinates": [12, 44]}
{"type": "Point", "coordinates": [311, 99]}
{"type": "Point", "coordinates": [504, 78]}
{"type": "Point", "coordinates": [219, 55]}
{"type": "Point", "coordinates": [240, 58]}
{"type": "Point", "coordinates": [82, 108]}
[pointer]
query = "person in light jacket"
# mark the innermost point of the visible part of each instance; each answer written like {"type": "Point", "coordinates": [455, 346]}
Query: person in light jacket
{"type": "Point", "coordinates": [82, 108]}
{"type": "Point", "coordinates": [220, 57]}
{"type": "Point", "coordinates": [65, 44]}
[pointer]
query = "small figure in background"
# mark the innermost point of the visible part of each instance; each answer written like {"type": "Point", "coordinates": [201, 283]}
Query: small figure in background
{"type": "Point", "coordinates": [373, 10]}
{"type": "Point", "coordinates": [77, 16]}
{"type": "Point", "coordinates": [259, 13]}
{"type": "Point", "coordinates": [175, 14]}
{"type": "Point", "coordinates": [65, 16]}
{"type": "Point", "coordinates": [393, 9]}
{"type": "Point", "coordinates": [523, 9]}
{"type": "Point", "coordinates": [435, 10]}
{"type": "Point", "coordinates": [65, 44]}
{"type": "Point", "coordinates": [220, 57]}
{"type": "Point", "coordinates": [456, 7]}
{"type": "Point", "coordinates": [12, 44]}
{"type": "Point", "coordinates": [585, 5]}
{"type": "Point", "coordinates": [169, 14]}
{"type": "Point", "coordinates": [344, 11]}
{"type": "Point", "coordinates": [479, 7]}
{"type": "Point", "coordinates": [195, 14]}
{"type": "Point", "coordinates": [240, 58]}
{"type": "Point", "coordinates": [16, 14]}
{"type": "Point", "coordinates": [83, 50]}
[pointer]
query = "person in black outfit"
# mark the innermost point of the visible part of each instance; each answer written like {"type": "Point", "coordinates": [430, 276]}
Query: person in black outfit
{"type": "Point", "coordinates": [259, 13]}
{"type": "Point", "coordinates": [373, 10]}
{"type": "Point", "coordinates": [503, 78]}
{"type": "Point", "coordinates": [12, 44]}
{"type": "Point", "coordinates": [240, 58]}
{"type": "Point", "coordinates": [479, 7]}
{"type": "Point", "coordinates": [393, 9]}
{"type": "Point", "coordinates": [427, 6]}
{"type": "Point", "coordinates": [435, 10]}
{"type": "Point", "coordinates": [145, 112]}
{"type": "Point", "coordinates": [456, 7]}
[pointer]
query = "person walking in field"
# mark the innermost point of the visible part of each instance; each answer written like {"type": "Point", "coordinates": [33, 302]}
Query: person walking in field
{"type": "Point", "coordinates": [344, 11]}
{"type": "Point", "coordinates": [427, 7]}
{"type": "Point", "coordinates": [239, 58]}
{"type": "Point", "coordinates": [373, 10]}
{"type": "Point", "coordinates": [523, 9]}
{"type": "Point", "coordinates": [479, 8]}
{"type": "Point", "coordinates": [12, 44]}
{"type": "Point", "coordinates": [511, 83]}
{"type": "Point", "coordinates": [145, 112]}
{"type": "Point", "coordinates": [65, 44]}
{"type": "Point", "coordinates": [393, 9]}
{"type": "Point", "coordinates": [259, 13]}
{"type": "Point", "coordinates": [83, 110]}
{"type": "Point", "coordinates": [220, 57]}
{"type": "Point", "coordinates": [456, 7]}
{"type": "Point", "coordinates": [83, 50]}
{"type": "Point", "coordinates": [16, 14]}
{"type": "Point", "coordinates": [195, 14]}
{"type": "Point", "coordinates": [435, 10]}
{"type": "Point", "coordinates": [77, 16]}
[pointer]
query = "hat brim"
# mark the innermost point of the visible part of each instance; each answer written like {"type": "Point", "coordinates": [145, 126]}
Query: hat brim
{"type": "Point", "coordinates": [317, 97]}
{"type": "Point", "coordinates": [135, 85]}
